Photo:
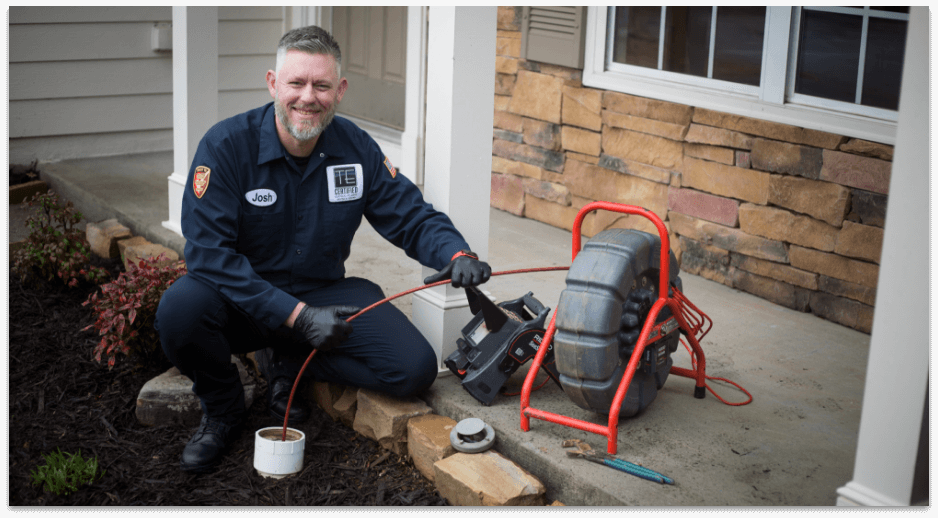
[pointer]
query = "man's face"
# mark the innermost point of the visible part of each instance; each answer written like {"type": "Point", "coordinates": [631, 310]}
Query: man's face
{"type": "Point", "coordinates": [306, 92]}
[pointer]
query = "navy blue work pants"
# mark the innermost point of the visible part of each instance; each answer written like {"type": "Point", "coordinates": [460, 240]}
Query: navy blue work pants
{"type": "Point", "coordinates": [200, 329]}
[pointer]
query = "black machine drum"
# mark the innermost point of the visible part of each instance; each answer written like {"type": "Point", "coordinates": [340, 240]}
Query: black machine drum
{"type": "Point", "coordinates": [610, 288]}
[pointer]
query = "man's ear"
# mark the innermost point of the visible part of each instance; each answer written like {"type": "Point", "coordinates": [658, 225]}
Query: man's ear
{"type": "Point", "coordinates": [272, 83]}
{"type": "Point", "coordinates": [343, 86]}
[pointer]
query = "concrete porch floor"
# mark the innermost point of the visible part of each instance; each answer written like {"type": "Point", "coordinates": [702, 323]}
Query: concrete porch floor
{"type": "Point", "coordinates": [794, 445]}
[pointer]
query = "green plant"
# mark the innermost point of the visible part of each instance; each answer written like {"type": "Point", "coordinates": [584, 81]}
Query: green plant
{"type": "Point", "coordinates": [55, 249]}
{"type": "Point", "coordinates": [64, 472]}
{"type": "Point", "coordinates": [125, 308]}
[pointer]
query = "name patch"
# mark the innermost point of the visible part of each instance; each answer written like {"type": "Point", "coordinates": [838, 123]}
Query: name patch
{"type": "Point", "coordinates": [346, 182]}
{"type": "Point", "coordinates": [261, 197]}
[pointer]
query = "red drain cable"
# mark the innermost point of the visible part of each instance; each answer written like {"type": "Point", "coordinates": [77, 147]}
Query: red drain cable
{"type": "Point", "coordinates": [286, 416]}
{"type": "Point", "coordinates": [691, 317]}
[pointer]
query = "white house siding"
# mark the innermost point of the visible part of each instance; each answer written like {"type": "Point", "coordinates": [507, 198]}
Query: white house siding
{"type": "Point", "coordinates": [85, 82]}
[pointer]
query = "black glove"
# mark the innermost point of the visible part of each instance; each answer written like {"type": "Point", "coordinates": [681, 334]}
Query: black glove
{"type": "Point", "coordinates": [324, 327]}
{"type": "Point", "coordinates": [465, 271]}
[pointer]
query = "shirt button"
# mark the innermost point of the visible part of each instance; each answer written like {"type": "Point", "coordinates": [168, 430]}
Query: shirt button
{"type": "Point", "coordinates": [322, 155]}
{"type": "Point", "coordinates": [298, 252]}
{"type": "Point", "coordinates": [299, 218]}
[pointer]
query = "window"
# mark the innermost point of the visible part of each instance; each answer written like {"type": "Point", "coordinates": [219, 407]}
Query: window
{"type": "Point", "coordinates": [851, 55]}
{"type": "Point", "coordinates": [722, 43]}
{"type": "Point", "coordinates": [835, 69]}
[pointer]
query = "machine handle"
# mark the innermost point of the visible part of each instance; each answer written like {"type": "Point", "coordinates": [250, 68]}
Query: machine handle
{"type": "Point", "coordinates": [533, 304]}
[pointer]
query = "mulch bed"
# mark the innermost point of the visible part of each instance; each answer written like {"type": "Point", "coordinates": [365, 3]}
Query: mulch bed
{"type": "Point", "coordinates": [60, 397]}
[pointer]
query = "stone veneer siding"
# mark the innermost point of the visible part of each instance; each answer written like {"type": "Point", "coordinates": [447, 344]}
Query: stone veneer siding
{"type": "Point", "coordinates": [792, 215]}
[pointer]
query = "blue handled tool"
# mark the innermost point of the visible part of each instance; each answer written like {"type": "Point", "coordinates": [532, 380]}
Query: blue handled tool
{"type": "Point", "coordinates": [586, 452]}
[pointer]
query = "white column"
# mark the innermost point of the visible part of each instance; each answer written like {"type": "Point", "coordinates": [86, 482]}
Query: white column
{"type": "Point", "coordinates": [457, 172]}
{"type": "Point", "coordinates": [195, 94]}
{"type": "Point", "coordinates": [415, 92]}
{"type": "Point", "coordinates": [897, 372]}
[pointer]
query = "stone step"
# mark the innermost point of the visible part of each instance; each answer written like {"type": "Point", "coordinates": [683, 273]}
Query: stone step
{"type": "Point", "coordinates": [169, 398]}
{"type": "Point", "coordinates": [407, 426]}
{"type": "Point", "coordinates": [104, 235]}
{"type": "Point", "coordinates": [134, 252]}
{"type": "Point", "coordinates": [486, 479]}
{"type": "Point", "coordinates": [384, 418]}
{"type": "Point", "coordinates": [339, 401]}
{"type": "Point", "coordinates": [428, 441]}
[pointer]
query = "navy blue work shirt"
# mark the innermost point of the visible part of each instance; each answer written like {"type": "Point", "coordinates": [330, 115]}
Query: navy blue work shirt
{"type": "Point", "coordinates": [260, 230]}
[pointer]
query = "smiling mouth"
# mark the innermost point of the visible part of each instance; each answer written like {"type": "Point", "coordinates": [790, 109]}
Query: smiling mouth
{"type": "Point", "coordinates": [305, 112]}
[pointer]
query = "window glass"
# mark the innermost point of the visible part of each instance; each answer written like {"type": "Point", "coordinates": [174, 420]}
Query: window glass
{"type": "Point", "coordinates": [737, 54]}
{"type": "Point", "coordinates": [882, 73]}
{"type": "Point", "coordinates": [687, 40]}
{"type": "Point", "coordinates": [637, 34]}
{"type": "Point", "coordinates": [829, 55]}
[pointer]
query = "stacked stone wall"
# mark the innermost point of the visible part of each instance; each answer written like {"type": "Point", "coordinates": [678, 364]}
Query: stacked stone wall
{"type": "Point", "coordinates": [789, 214]}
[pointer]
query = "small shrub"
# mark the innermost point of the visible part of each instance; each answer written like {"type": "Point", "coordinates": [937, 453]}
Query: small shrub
{"type": "Point", "coordinates": [55, 249]}
{"type": "Point", "coordinates": [64, 472]}
{"type": "Point", "coordinates": [124, 309]}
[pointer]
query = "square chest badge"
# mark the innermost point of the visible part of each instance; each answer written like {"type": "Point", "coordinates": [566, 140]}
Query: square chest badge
{"type": "Point", "coordinates": [346, 182]}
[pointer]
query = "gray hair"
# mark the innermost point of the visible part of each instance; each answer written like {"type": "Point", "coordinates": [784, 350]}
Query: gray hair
{"type": "Point", "coordinates": [312, 40]}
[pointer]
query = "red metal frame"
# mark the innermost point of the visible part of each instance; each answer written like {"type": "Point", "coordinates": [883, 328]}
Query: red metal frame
{"type": "Point", "coordinates": [699, 374]}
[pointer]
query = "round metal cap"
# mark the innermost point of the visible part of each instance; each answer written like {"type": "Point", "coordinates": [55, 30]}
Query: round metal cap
{"type": "Point", "coordinates": [470, 427]}
{"type": "Point", "coordinates": [472, 435]}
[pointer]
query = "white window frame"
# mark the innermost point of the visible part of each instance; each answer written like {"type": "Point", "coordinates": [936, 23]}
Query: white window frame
{"type": "Point", "coordinates": [770, 102]}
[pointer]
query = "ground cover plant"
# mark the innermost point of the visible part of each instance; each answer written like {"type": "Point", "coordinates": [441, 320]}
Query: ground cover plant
{"type": "Point", "coordinates": [64, 472]}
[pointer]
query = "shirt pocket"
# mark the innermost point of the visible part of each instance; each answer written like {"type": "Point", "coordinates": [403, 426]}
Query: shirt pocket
{"type": "Point", "coordinates": [262, 235]}
{"type": "Point", "coordinates": [342, 220]}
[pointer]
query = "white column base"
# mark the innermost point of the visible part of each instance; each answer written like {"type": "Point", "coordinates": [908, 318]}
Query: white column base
{"type": "Point", "coordinates": [177, 185]}
{"type": "Point", "coordinates": [854, 493]}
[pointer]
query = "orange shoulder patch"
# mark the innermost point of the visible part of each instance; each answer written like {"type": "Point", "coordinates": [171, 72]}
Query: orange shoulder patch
{"type": "Point", "coordinates": [200, 181]}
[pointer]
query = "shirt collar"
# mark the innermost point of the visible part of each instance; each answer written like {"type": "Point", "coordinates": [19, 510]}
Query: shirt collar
{"type": "Point", "coordinates": [271, 148]}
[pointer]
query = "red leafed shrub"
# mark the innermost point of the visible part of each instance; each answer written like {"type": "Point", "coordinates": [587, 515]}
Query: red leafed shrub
{"type": "Point", "coordinates": [125, 309]}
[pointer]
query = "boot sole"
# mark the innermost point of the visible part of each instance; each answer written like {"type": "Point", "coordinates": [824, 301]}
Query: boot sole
{"type": "Point", "coordinates": [208, 468]}
{"type": "Point", "coordinates": [280, 417]}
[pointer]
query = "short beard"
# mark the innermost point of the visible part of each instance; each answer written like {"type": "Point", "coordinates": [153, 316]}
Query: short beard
{"type": "Point", "coordinates": [303, 135]}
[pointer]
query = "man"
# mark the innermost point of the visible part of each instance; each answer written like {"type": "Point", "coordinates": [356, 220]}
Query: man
{"type": "Point", "coordinates": [272, 201]}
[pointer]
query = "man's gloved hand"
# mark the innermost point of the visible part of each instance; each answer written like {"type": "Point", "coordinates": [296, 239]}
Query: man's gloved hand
{"type": "Point", "coordinates": [465, 270]}
{"type": "Point", "coordinates": [324, 327]}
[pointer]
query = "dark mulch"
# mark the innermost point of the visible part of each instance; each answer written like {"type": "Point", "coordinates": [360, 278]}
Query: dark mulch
{"type": "Point", "coordinates": [60, 397]}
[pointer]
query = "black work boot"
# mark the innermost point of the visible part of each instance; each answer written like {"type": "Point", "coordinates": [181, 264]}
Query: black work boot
{"type": "Point", "coordinates": [278, 395]}
{"type": "Point", "coordinates": [208, 445]}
